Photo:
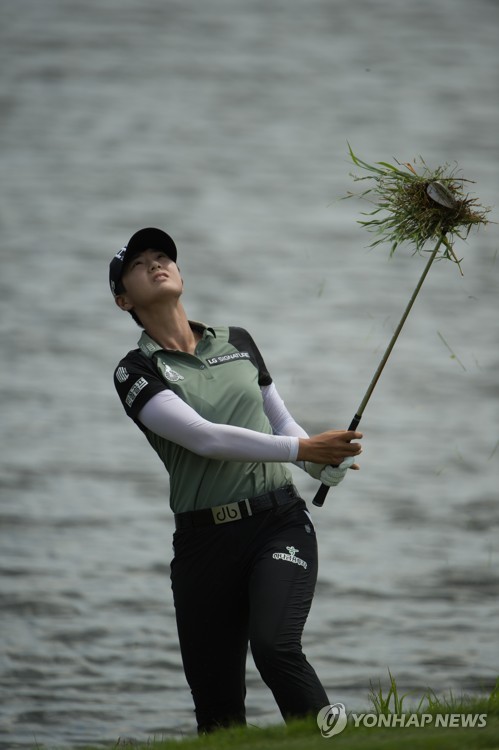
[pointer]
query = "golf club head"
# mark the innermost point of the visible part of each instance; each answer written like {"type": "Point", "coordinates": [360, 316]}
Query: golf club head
{"type": "Point", "coordinates": [441, 194]}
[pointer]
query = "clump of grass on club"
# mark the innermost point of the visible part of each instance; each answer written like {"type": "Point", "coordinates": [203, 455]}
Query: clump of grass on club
{"type": "Point", "coordinates": [418, 207]}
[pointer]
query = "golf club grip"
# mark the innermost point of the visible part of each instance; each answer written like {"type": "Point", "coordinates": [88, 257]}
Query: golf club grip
{"type": "Point", "coordinates": [321, 493]}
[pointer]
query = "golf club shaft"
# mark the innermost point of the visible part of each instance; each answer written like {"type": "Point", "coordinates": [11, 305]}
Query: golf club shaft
{"type": "Point", "coordinates": [321, 493]}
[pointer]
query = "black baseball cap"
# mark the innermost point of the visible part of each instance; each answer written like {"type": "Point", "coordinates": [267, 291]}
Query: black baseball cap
{"type": "Point", "coordinates": [145, 239]}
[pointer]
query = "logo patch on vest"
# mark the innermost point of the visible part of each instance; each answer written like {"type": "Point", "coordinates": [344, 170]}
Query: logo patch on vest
{"type": "Point", "coordinates": [135, 390]}
{"type": "Point", "coordinates": [122, 374]}
{"type": "Point", "coordinates": [224, 358]}
{"type": "Point", "coordinates": [172, 375]}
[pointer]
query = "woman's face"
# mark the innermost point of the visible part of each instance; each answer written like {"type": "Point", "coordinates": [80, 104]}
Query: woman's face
{"type": "Point", "coordinates": [150, 277]}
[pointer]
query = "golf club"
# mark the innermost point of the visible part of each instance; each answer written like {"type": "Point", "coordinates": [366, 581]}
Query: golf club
{"type": "Point", "coordinates": [442, 196]}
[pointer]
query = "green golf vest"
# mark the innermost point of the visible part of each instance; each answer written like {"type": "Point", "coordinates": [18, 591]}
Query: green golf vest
{"type": "Point", "coordinates": [221, 381]}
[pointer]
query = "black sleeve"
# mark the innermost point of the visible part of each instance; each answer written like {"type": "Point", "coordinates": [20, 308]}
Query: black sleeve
{"type": "Point", "coordinates": [241, 339]}
{"type": "Point", "coordinates": [137, 380]}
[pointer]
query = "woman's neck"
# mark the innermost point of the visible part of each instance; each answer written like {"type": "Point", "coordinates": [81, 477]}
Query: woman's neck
{"type": "Point", "coordinates": [171, 329]}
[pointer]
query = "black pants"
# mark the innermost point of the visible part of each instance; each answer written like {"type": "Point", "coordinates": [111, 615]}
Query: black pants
{"type": "Point", "coordinates": [252, 581]}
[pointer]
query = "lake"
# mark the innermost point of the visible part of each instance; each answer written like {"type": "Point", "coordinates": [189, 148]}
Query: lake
{"type": "Point", "coordinates": [227, 123]}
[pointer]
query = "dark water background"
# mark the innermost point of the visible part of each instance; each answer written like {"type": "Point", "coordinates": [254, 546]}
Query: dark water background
{"type": "Point", "coordinates": [227, 124]}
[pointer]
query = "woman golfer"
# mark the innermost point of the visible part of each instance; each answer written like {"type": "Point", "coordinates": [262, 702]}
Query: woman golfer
{"type": "Point", "coordinates": [245, 553]}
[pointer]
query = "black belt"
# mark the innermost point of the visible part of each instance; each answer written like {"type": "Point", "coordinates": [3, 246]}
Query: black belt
{"type": "Point", "coordinates": [236, 511]}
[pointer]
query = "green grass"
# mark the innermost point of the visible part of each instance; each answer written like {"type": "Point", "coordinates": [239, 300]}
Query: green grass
{"type": "Point", "coordinates": [305, 735]}
{"type": "Point", "coordinates": [404, 212]}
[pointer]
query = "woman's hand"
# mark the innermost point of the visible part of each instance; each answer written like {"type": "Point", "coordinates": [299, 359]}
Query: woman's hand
{"type": "Point", "coordinates": [329, 448]}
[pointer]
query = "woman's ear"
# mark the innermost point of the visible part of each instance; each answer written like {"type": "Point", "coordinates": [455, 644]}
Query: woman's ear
{"type": "Point", "coordinates": [123, 303]}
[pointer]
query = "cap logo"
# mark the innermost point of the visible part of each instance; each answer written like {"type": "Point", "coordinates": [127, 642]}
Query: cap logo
{"type": "Point", "coordinates": [121, 253]}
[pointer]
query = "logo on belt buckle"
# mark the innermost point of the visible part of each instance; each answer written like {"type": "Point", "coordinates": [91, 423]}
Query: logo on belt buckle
{"type": "Point", "coordinates": [225, 513]}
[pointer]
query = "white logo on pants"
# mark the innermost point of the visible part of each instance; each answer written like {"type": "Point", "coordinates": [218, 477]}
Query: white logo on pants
{"type": "Point", "coordinates": [290, 557]}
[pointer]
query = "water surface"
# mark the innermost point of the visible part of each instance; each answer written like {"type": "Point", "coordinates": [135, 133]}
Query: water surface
{"type": "Point", "coordinates": [227, 124]}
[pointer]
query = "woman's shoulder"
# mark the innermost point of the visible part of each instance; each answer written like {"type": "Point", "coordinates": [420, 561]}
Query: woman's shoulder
{"type": "Point", "coordinates": [135, 361]}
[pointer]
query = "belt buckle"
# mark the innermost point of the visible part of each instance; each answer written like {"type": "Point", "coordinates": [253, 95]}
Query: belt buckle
{"type": "Point", "coordinates": [226, 513]}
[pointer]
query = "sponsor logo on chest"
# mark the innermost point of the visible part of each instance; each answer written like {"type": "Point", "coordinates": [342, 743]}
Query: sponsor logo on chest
{"type": "Point", "coordinates": [222, 359]}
